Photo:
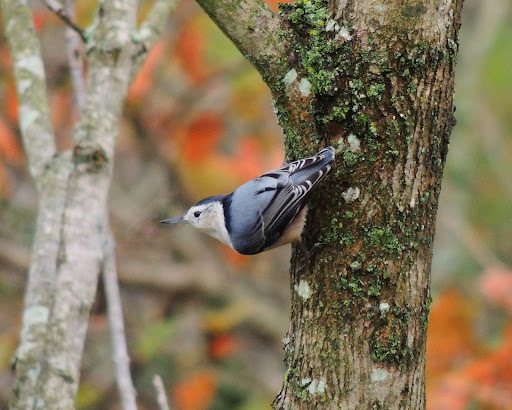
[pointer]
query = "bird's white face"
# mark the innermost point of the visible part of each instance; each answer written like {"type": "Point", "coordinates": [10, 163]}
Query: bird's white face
{"type": "Point", "coordinates": [209, 218]}
{"type": "Point", "coordinates": [202, 216]}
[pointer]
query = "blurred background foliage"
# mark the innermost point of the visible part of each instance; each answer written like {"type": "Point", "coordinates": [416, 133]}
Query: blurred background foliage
{"type": "Point", "coordinates": [199, 121]}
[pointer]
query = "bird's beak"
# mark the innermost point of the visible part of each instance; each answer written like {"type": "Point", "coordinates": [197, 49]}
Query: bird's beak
{"type": "Point", "coordinates": [178, 220]}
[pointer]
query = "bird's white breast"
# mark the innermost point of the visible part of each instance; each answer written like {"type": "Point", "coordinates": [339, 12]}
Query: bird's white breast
{"type": "Point", "coordinates": [213, 224]}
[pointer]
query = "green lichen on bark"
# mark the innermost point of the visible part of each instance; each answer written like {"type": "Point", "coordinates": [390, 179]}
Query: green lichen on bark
{"type": "Point", "coordinates": [345, 88]}
{"type": "Point", "coordinates": [383, 97]}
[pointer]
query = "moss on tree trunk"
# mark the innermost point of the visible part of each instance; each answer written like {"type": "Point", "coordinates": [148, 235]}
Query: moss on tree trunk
{"type": "Point", "coordinates": [377, 82]}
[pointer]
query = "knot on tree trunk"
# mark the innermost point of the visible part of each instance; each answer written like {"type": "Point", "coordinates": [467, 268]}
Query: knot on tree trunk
{"type": "Point", "coordinates": [93, 157]}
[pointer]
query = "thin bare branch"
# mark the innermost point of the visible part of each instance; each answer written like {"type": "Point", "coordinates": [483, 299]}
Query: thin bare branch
{"type": "Point", "coordinates": [254, 29]}
{"type": "Point", "coordinates": [63, 14]}
{"type": "Point", "coordinates": [117, 334]}
{"type": "Point", "coordinates": [35, 124]}
{"type": "Point", "coordinates": [76, 64]}
{"type": "Point", "coordinates": [150, 30]}
{"type": "Point", "coordinates": [161, 397]}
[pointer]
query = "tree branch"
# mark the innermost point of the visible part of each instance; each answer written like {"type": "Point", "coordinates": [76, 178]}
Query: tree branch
{"type": "Point", "coordinates": [34, 117]}
{"type": "Point", "coordinates": [160, 393]}
{"type": "Point", "coordinates": [63, 279]}
{"type": "Point", "coordinates": [68, 248]}
{"type": "Point", "coordinates": [150, 30]}
{"type": "Point", "coordinates": [115, 320]}
{"type": "Point", "coordinates": [65, 16]}
{"type": "Point", "coordinates": [30, 355]}
{"type": "Point", "coordinates": [76, 65]}
{"type": "Point", "coordinates": [254, 29]}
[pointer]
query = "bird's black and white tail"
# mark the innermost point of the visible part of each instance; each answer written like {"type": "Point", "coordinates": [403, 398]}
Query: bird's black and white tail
{"type": "Point", "coordinates": [309, 171]}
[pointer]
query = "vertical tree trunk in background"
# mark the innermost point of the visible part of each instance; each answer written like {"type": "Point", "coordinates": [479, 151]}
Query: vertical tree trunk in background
{"type": "Point", "coordinates": [72, 233]}
{"type": "Point", "coordinates": [375, 80]}
{"type": "Point", "coordinates": [68, 246]}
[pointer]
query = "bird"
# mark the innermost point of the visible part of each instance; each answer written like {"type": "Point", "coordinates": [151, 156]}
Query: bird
{"type": "Point", "coordinates": [264, 213]}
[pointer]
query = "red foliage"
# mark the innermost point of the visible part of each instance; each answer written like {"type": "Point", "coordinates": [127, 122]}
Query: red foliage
{"type": "Point", "coordinates": [195, 392]}
{"type": "Point", "coordinates": [235, 259]}
{"type": "Point", "coordinates": [11, 102]}
{"type": "Point", "coordinates": [450, 340]}
{"type": "Point", "coordinates": [487, 380]}
{"type": "Point", "coordinates": [144, 79]}
{"type": "Point", "coordinates": [190, 48]}
{"type": "Point", "coordinates": [248, 161]}
{"type": "Point", "coordinates": [40, 19]}
{"type": "Point", "coordinates": [5, 185]}
{"type": "Point", "coordinates": [9, 147]}
{"type": "Point", "coordinates": [222, 346]}
{"type": "Point", "coordinates": [10, 152]}
{"type": "Point", "coordinates": [456, 376]}
{"type": "Point", "coordinates": [202, 137]}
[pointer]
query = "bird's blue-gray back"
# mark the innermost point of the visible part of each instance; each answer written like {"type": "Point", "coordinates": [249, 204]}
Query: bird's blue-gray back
{"type": "Point", "coordinates": [265, 206]}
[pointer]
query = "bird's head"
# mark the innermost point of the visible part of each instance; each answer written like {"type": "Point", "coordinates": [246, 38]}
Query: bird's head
{"type": "Point", "coordinates": [207, 216]}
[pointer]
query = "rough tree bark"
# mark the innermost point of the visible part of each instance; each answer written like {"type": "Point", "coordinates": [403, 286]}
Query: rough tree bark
{"type": "Point", "coordinates": [376, 80]}
{"type": "Point", "coordinates": [71, 244]}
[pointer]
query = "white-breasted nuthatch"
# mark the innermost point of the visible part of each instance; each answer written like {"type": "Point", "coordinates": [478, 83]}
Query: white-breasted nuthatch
{"type": "Point", "coordinates": [264, 213]}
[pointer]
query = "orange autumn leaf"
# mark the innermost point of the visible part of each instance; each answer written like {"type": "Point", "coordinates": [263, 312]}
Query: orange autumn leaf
{"type": "Point", "coordinates": [450, 340]}
{"type": "Point", "coordinates": [222, 346]}
{"type": "Point", "coordinates": [248, 161]}
{"type": "Point", "coordinates": [234, 258]}
{"type": "Point", "coordinates": [491, 377]}
{"type": "Point", "coordinates": [453, 384]}
{"type": "Point", "coordinates": [39, 19]}
{"type": "Point", "coordinates": [202, 137]}
{"type": "Point", "coordinates": [251, 160]}
{"type": "Point", "coordinates": [144, 79]}
{"type": "Point", "coordinates": [9, 147]}
{"type": "Point", "coordinates": [487, 381]}
{"type": "Point", "coordinates": [196, 392]}
{"type": "Point", "coordinates": [11, 102]}
{"type": "Point", "coordinates": [201, 178]}
{"type": "Point", "coordinates": [190, 50]}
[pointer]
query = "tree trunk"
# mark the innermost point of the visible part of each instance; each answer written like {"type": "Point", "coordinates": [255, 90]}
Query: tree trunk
{"type": "Point", "coordinates": [375, 80]}
{"type": "Point", "coordinates": [72, 233]}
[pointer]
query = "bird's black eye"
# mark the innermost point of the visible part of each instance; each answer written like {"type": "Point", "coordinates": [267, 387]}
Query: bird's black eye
{"type": "Point", "coordinates": [197, 213]}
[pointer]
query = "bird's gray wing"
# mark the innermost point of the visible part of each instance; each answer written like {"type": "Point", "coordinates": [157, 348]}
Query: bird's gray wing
{"type": "Point", "coordinates": [246, 221]}
{"type": "Point", "coordinates": [265, 206]}
{"type": "Point", "coordinates": [288, 202]}
{"type": "Point", "coordinates": [302, 176]}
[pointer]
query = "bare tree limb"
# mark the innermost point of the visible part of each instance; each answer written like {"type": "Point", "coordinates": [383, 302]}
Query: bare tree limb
{"type": "Point", "coordinates": [50, 173]}
{"type": "Point", "coordinates": [65, 16]}
{"type": "Point", "coordinates": [115, 318]}
{"type": "Point", "coordinates": [30, 354]}
{"type": "Point", "coordinates": [150, 30]}
{"type": "Point", "coordinates": [68, 251]}
{"type": "Point", "coordinates": [80, 252]}
{"type": "Point", "coordinates": [255, 31]}
{"type": "Point", "coordinates": [161, 397]}
{"type": "Point", "coordinates": [35, 124]}
{"type": "Point", "coordinates": [76, 65]}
